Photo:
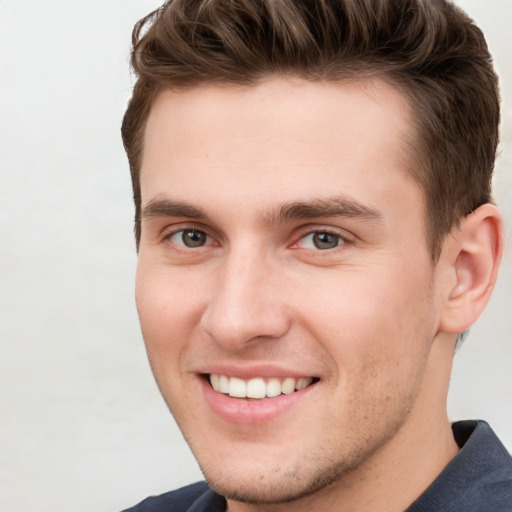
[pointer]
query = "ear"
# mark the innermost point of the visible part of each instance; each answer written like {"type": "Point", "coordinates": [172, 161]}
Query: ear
{"type": "Point", "coordinates": [471, 255]}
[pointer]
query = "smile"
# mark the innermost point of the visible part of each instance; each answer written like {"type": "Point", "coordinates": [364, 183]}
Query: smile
{"type": "Point", "coordinates": [258, 388]}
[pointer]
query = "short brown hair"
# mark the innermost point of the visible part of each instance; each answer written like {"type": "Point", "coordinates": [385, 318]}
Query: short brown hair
{"type": "Point", "coordinates": [430, 49]}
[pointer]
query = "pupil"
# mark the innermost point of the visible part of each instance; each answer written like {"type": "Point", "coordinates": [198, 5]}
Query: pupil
{"type": "Point", "coordinates": [325, 240]}
{"type": "Point", "coordinates": [193, 238]}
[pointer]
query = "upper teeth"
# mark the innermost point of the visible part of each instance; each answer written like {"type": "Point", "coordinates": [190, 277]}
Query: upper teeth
{"type": "Point", "coordinates": [258, 387]}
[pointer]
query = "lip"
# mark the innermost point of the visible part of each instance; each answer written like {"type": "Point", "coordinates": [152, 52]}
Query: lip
{"type": "Point", "coordinates": [251, 370]}
{"type": "Point", "coordinates": [250, 412]}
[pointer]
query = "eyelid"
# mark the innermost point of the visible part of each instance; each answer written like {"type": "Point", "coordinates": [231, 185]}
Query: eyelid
{"type": "Point", "coordinates": [312, 240]}
{"type": "Point", "coordinates": [175, 238]}
{"type": "Point", "coordinates": [170, 231]}
{"type": "Point", "coordinates": [320, 228]}
{"type": "Point", "coordinates": [343, 235]}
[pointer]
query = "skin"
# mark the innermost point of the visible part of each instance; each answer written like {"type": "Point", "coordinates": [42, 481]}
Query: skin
{"type": "Point", "coordinates": [257, 172]}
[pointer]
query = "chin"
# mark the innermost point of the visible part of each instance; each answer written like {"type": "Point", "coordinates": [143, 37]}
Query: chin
{"type": "Point", "coordinates": [277, 485]}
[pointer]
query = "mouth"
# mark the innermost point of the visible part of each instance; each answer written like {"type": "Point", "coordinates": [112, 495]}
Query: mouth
{"type": "Point", "coordinates": [258, 388]}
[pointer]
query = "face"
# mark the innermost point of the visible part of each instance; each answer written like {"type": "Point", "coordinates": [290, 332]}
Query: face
{"type": "Point", "coordinates": [284, 286]}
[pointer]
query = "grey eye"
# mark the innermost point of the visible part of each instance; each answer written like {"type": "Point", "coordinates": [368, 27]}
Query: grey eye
{"type": "Point", "coordinates": [321, 240]}
{"type": "Point", "coordinates": [325, 240]}
{"type": "Point", "coordinates": [190, 238]}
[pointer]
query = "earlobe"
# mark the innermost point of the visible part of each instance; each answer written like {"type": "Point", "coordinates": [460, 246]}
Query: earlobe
{"type": "Point", "coordinates": [474, 254]}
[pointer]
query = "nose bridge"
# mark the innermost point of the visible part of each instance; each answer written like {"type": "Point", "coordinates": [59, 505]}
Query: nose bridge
{"type": "Point", "coordinates": [245, 303]}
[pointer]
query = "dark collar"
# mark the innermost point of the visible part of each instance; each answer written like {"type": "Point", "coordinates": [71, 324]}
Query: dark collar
{"type": "Point", "coordinates": [478, 479]}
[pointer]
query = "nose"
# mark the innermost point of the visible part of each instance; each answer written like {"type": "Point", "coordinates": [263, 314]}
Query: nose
{"type": "Point", "coordinates": [246, 302]}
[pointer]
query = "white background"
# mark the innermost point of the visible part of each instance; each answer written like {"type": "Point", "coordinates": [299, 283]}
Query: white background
{"type": "Point", "coordinates": [82, 427]}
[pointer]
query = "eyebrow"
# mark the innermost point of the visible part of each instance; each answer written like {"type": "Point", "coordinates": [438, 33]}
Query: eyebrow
{"type": "Point", "coordinates": [168, 208]}
{"type": "Point", "coordinates": [286, 212]}
{"type": "Point", "coordinates": [323, 207]}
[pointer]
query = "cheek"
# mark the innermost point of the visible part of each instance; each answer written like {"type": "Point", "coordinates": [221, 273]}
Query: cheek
{"type": "Point", "coordinates": [167, 315]}
{"type": "Point", "coordinates": [379, 344]}
{"type": "Point", "coordinates": [377, 323]}
{"type": "Point", "coordinates": [164, 308]}
{"type": "Point", "coordinates": [167, 302]}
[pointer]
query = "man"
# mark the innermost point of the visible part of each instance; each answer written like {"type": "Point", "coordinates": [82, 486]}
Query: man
{"type": "Point", "coordinates": [315, 231]}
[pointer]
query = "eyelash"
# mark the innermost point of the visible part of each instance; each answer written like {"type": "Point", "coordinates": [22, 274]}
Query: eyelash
{"type": "Point", "coordinates": [182, 246]}
{"type": "Point", "coordinates": [340, 239]}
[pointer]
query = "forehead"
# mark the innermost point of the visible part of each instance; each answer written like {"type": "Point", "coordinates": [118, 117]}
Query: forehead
{"type": "Point", "coordinates": [283, 138]}
{"type": "Point", "coordinates": [278, 105]}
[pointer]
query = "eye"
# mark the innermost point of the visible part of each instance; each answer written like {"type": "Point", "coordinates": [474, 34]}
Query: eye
{"type": "Point", "coordinates": [190, 238]}
{"type": "Point", "coordinates": [321, 240]}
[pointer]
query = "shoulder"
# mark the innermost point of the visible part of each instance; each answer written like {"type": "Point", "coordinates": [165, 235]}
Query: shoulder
{"type": "Point", "coordinates": [196, 497]}
{"type": "Point", "coordinates": [478, 478]}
